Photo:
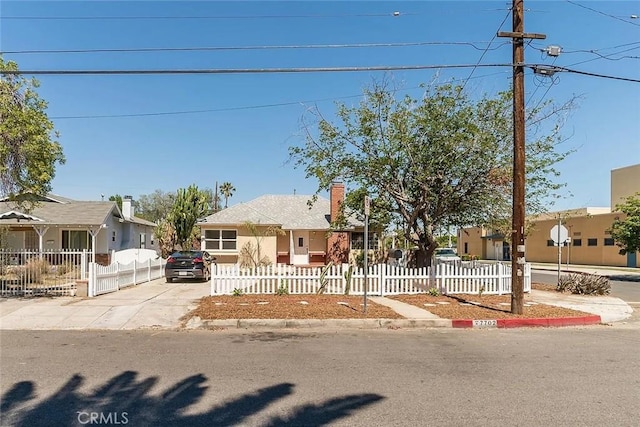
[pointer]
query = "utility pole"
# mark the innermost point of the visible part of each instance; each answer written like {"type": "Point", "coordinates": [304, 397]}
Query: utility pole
{"type": "Point", "coordinates": [518, 215]}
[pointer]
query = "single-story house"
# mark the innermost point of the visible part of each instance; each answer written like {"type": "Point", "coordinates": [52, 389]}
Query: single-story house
{"type": "Point", "coordinates": [304, 235]}
{"type": "Point", "coordinates": [58, 223]}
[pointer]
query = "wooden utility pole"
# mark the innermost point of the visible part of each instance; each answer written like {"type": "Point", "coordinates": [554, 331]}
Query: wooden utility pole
{"type": "Point", "coordinates": [518, 215]}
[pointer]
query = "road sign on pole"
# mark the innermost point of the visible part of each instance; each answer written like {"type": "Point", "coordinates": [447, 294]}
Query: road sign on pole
{"type": "Point", "coordinates": [559, 234]}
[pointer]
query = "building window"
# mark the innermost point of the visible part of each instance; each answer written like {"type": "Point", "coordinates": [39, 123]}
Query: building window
{"type": "Point", "coordinates": [221, 240]}
{"type": "Point", "coordinates": [592, 242]}
{"type": "Point", "coordinates": [76, 240]}
{"type": "Point", "coordinates": [113, 236]}
{"type": "Point", "coordinates": [466, 247]}
{"type": "Point", "coordinates": [357, 241]}
{"type": "Point", "coordinates": [608, 241]}
{"type": "Point", "coordinates": [143, 240]}
{"type": "Point", "coordinates": [577, 242]}
{"type": "Point", "coordinates": [550, 243]}
{"type": "Point", "coordinates": [300, 242]}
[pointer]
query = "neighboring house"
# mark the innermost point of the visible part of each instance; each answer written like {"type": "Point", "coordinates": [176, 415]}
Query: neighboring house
{"type": "Point", "coordinates": [588, 228]}
{"type": "Point", "coordinates": [59, 223]}
{"type": "Point", "coordinates": [306, 237]}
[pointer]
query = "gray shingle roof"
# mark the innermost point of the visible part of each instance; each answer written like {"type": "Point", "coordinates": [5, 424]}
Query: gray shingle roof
{"type": "Point", "coordinates": [68, 212]}
{"type": "Point", "coordinates": [291, 212]}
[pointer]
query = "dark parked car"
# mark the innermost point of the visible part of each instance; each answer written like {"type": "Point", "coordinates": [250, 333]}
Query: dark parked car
{"type": "Point", "coordinates": [188, 265]}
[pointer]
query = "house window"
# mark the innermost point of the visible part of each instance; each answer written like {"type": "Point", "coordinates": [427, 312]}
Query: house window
{"type": "Point", "coordinates": [592, 242]}
{"type": "Point", "coordinates": [225, 240]}
{"type": "Point", "coordinates": [577, 242]}
{"type": "Point", "coordinates": [357, 241]}
{"type": "Point", "coordinates": [466, 247]}
{"type": "Point", "coordinates": [75, 240]}
{"type": "Point", "coordinates": [300, 242]}
{"type": "Point", "coordinates": [143, 240]}
{"type": "Point", "coordinates": [608, 241]}
{"type": "Point", "coordinates": [113, 236]}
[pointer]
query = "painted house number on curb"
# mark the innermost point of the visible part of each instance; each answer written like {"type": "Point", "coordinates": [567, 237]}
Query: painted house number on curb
{"type": "Point", "coordinates": [485, 323]}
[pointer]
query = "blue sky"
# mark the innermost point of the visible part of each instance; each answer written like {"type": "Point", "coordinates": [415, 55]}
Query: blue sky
{"type": "Point", "coordinates": [246, 143]}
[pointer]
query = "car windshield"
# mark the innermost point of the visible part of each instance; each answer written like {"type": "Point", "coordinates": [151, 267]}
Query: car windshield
{"type": "Point", "coordinates": [187, 254]}
{"type": "Point", "coordinates": [445, 252]}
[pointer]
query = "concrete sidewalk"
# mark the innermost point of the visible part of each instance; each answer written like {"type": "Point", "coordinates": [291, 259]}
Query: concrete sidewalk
{"type": "Point", "coordinates": [158, 305]}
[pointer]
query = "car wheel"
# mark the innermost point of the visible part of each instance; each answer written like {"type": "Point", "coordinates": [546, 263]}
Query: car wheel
{"type": "Point", "coordinates": [169, 280]}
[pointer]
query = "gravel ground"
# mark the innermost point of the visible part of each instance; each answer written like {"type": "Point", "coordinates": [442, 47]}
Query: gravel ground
{"type": "Point", "coordinates": [351, 307]}
{"type": "Point", "coordinates": [290, 307]}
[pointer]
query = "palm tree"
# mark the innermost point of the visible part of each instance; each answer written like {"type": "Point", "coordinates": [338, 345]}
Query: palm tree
{"type": "Point", "coordinates": [227, 189]}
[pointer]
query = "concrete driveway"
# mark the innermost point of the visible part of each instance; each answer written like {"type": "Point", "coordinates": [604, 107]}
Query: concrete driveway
{"type": "Point", "coordinates": [153, 304]}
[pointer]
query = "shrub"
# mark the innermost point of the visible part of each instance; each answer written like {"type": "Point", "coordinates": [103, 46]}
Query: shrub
{"type": "Point", "coordinates": [434, 292]}
{"type": "Point", "coordinates": [33, 271]}
{"type": "Point", "coordinates": [65, 268]}
{"type": "Point", "coordinates": [584, 284]}
{"type": "Point", "coordinates": [237, 292]}
{"type": "Point", "coordinates": [283, 289]}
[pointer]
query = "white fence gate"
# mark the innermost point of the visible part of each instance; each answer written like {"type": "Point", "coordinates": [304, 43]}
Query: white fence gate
{"type": "Point", "coordinates": [382, 279]}
{"type": "Point", "coordinates": [110, 278]}
{"type": "Point", "coordinates": [39, 273]}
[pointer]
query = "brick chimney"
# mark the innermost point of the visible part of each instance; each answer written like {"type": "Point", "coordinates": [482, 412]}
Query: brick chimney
{"type": "Point", "coordinates": [336, 197]}
{"type": "Point", "coordinates": [338, 241]}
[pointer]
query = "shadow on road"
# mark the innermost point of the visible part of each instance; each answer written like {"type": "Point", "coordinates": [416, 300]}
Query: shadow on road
{"type": "Point", "coordinates": [125, 399]}
{"type": "Point", "coordinates": [625, 277]}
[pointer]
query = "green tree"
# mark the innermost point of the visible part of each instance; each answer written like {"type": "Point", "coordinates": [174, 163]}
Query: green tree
{"type": "Point", "coordinates": [118, 199]}
{"type": "Point", "coordinates": [189, 207]}
{"type": "Point", "coordinates": [29, 150]}
{"type": "Point", "coordinates": [155, 206]}
{"type": "Point", "coordinates": [227, 189]}
{"type": "Point", "coordinates": [626, 232]}
{"type": "Point", "coordinates": [442, 160]}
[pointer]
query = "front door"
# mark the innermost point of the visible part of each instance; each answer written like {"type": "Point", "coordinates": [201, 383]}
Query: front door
{"type": "Point", "coordinates": [631, 259]}
{"type": "Point", "coordinates": [300, 247]}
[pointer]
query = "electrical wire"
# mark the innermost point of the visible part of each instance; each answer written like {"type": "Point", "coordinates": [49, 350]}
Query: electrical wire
{"type": "Point", "coordinates": [495, 34]}
{"type": "Point", "coordinates": [600, 57]}
{"type": "Point", "coordinates": [265, 47]}
{"type": "Point", "coordinates": [141, 17]}
{"type": "Point", "coordinates": [602, 13]}
{"type": "Point", "coordinates": [247, 107]}
{"type": "Point", "coordinates": [586, 73]}
{"type": "Point", "coordinates": [297, 70]}
{"type": "Point", "coordinates": [250, 70]}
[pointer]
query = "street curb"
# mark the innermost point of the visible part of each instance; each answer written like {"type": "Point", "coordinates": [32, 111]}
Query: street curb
{"type": "Point", "coordinates": [553, 322]}
{"type": "Point", "coordinates": [529, 322]}
{"type": "Point", "coordinates": [197, 323]}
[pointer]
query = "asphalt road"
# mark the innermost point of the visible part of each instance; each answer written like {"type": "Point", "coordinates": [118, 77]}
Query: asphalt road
{"type": "Point", "coordinates": [626, 290]}
{"type": "Point", "coordinates": [530, 377]}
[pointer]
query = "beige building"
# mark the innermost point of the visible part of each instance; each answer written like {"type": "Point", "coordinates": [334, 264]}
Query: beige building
{"type": "Point", "coordinates": [589, 242]}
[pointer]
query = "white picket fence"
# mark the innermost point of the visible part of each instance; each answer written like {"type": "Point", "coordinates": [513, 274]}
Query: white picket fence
{"type": "Point", "coordinates": [113, 277]}
{"type": "Point", "coordinates": [382, 279]}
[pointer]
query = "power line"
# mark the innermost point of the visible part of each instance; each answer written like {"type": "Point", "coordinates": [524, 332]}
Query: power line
{"type": "Point", "coordinates": [264, 47]}
{"type": "Point", "coordinates": [298, 70]}
{"type": "Point", "coordinates": [586, 73]}
{"type": "Point", "coordinates": [251, 70]}
{"type": "Point", "coordinates": [602, 57]}
{"type": "Point", "coordinates": [217, 110]}
{"type": "Point", "coordinates": [602, 13]}
{"type": "Point", "coordinates": [394, 14]}
{"type": "Point", "coordinates": [487, 48]}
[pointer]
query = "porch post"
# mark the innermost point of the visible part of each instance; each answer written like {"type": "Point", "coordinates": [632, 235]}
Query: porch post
{"type": "Point", "coordinates": [94, 233]}
{"type": "Point", "coordinates": [291, 247]}
{"type": "Point", "coordinates": [41, 230]}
